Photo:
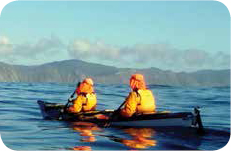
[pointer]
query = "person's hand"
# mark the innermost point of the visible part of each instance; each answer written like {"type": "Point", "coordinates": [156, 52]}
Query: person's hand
{"type": "Point", "coordinates": [70, 109]}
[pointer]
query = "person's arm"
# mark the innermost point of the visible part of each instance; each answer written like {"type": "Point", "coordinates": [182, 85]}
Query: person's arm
{"type": "Point", "coordinates": [77, 104]}
{"type": "Point", "coordinates": [130, 105]}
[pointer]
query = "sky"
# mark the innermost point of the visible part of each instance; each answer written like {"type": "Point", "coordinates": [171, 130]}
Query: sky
{"type": "Point", "coordinates": [170, 35]}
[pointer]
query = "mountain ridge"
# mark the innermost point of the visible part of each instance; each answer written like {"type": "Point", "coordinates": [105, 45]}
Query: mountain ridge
{"type": "Point", "coordinates": [69, 71]}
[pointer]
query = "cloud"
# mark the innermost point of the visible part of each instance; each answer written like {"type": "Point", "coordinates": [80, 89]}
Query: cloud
{"type": "Point", "coordinates": [162, 56]}
{"type": "Point", "coordinates": [83, 49]}
{"type": "Point", "coordinates": [43, 45]}
{"type": "Point", "coordinates": [5, 47]}
{"type": "Point", "coordinates": [30, 51]}
{"type": "Point", "coordinates": [148, 55]}
{"type": "Point", "coordinates": [4, 40]}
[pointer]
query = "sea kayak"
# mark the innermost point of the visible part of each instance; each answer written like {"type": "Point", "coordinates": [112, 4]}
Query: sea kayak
{"type": "Point", "coordinates": [55, 111]}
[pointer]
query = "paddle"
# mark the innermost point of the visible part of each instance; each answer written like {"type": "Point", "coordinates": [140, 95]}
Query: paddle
{"type": "Point", "coordinates": [117, 110]}
{"type": "Point", "coordinates": [68, 101]}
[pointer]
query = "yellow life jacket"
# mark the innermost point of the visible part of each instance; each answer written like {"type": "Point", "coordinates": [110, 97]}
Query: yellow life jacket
{"type": "Point", "coordinates": [145, 101]}
{"type": "Point", "coordinates": [141, 101]}
{"type": "Point", "coordinates": [84, 102]}
{"type": "Point", "coordinates": [89, 103]}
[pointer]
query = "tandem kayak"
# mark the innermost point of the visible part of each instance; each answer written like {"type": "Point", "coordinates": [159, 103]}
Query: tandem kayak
{"type": "Point", "coordinates": [55, 111]}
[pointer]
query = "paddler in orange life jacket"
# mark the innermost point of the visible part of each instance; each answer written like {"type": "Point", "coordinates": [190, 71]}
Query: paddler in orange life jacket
{"type": "Point", "coordinates": [86, 98]}
{"type": "Point", "coordinates": [140, 99]}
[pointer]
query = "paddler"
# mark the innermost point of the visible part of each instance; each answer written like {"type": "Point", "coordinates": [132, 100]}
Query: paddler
{"type": "Point", "coordinates": [140, 99]}
{"type": "Point", "coordinates": [86, 98]}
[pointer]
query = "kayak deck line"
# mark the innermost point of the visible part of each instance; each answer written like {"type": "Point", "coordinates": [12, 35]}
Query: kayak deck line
{"type": "Point", "coordinates": [158, 119]}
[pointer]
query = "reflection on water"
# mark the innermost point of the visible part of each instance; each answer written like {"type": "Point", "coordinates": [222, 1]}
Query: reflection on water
{"type": "Point", "coordinates": [85, 129]}
{"type": "Point", "coordinates": [86, 148]}
{"type": "Point", "coordinates": [141, 138]}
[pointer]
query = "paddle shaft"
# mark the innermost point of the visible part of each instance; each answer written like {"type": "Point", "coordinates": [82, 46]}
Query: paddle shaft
{"type": "Point", "coordinates": [78, 84]}
{"type": "Point", "coordinates": [66, 105]}
{"type": "Point", "coordinates": [116, 111]}
{"type": "Point", "coordinates": [68, 101]}
{"type": "Point", "coordinates": [121, 106]}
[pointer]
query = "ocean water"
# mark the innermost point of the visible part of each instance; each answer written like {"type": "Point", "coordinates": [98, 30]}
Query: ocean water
{"type": "Point", "coordinates": [23, 128]}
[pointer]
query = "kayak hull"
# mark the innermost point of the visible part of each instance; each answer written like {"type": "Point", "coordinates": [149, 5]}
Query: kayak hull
{"type": "Point", "coordinates": [174, 122]}
{"type": "Point", "coordinates": [54, 111]}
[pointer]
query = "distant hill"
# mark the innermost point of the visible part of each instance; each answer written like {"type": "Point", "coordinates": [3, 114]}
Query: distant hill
{"type": "Point", "coordinates": [70, 71]}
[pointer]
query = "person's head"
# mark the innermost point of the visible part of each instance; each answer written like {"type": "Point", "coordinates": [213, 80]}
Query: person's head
{"type": "Point", "coordinates": [137, 82]}
{"type": "Point", "coordinates": [86, 86]}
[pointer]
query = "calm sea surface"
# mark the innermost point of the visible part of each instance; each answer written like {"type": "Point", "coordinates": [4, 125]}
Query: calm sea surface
{"type": "Point", "coordinates": [23, 128]}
